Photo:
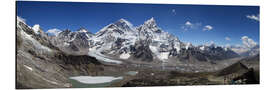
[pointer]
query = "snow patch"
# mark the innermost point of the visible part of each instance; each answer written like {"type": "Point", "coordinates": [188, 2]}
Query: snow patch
{"type": "Point", "coordinates": [31, 69]}
{"type": "Point", "coordinates": [83, 31]}
{"type": "Point", "coordinates": [95, 79]}
{"type": "Point", "coordinates": [153, 49]}
{"type": "Point", "coordinates": [36, 28]}
{"type": "Point", "coordinates": [188, 45]}
{"type": "Point", "coordinates": [202, 48]}
{"type": "Point", "coordinates": [163, 56]}
{"type": "Point", "coordinates": [66, 44]}
{"type": "Point", "coordinates": [125, 56]}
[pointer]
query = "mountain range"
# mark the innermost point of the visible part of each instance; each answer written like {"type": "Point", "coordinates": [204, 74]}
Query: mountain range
{"type": "Point", "coordinates": [147, 42]}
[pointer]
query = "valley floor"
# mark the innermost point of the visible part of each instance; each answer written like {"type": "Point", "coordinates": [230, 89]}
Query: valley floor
{"type": "Point", "coordinates": [145, 76]}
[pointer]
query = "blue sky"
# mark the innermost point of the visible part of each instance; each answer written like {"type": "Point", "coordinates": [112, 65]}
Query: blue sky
{"type": "Point", "coordinates": [197, 24]}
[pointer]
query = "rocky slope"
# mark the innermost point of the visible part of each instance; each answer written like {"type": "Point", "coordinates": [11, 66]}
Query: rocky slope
{"type": "Point", "coordinates": [39, 61]}
{"type": "Point", "coordinates": [73, 42]}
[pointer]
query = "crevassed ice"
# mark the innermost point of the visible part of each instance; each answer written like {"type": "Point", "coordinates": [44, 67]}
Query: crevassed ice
{"type": "Point", "coordinates": [101, 57]}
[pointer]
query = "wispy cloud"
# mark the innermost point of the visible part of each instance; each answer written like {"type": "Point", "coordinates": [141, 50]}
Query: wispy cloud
{"type": "Point", "coordinates": [189, 25]}
{"type": "Point", "coordinates": [254, 17]}
{"type": "Point", "coordinates": [228, 38]}
{"type": "Point", "coordinates": [173, 11]}
{"type": "Point", "coordinates": [207, 28]}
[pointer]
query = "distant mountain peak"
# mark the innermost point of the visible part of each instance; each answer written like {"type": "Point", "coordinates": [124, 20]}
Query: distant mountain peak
{"type": "Point", "coordinates": [82, 29]}
{"type": "Point", "coordinates": [151, 22]}
{"type": "Point", "coordinates": [150, 25]}
{"type": "Point", "coordinates": [123, 20]}
{"type": "Point", "coordinates": [123, 23]}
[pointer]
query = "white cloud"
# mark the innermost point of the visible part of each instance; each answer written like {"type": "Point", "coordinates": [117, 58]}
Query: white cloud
{"type": "Point", "coordinates": [254, 17]}
{"type": "Point", "coordinates": [207, 28]}
{"type": "Point", "coordinates": [227, 38]}
{"type": "Point", "coordinates": [248, 42]}
{"type": "Point", "coordinates": [188, 25]}
{"type": "Point", "coordinates": [54, 31]}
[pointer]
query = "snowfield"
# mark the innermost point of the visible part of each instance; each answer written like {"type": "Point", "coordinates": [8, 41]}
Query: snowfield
{"type": "Point", "coordinates": [95, 79]}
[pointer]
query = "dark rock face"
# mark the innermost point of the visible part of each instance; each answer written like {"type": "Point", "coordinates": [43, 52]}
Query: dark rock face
{"type": "Point", "coordinates": [73, 42]}
{"type": "Point", "coordinates": [142, 51]}
{"type": "Point", "coordinates": [209, 54]}
{"type": "Point", "coordinates": [192, 53]}
{"type": "Point", "coordinates": [218, 53]}
{"type": "Point", "coordinates": [248, 78]}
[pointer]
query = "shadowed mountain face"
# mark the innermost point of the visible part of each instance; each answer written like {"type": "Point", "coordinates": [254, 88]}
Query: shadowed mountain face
{"type": "Point", "coordinates": [235, 68]}
{"type": "Point", "coordinates": [77, 42]}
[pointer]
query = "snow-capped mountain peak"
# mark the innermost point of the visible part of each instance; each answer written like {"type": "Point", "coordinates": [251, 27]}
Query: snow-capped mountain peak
{"type": "Point", "coordinates": [149, 26]}
{"type": "Point", "coordinates": [151, 23]}
{"type": "Point", "coordinates": [82, 30]}
{"type": "Point", "coordinates": [126, 22]}
{"type": "Point", "coordinates": [120, 26]}
{"type": "Point", "coordinates": [123, 24]}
